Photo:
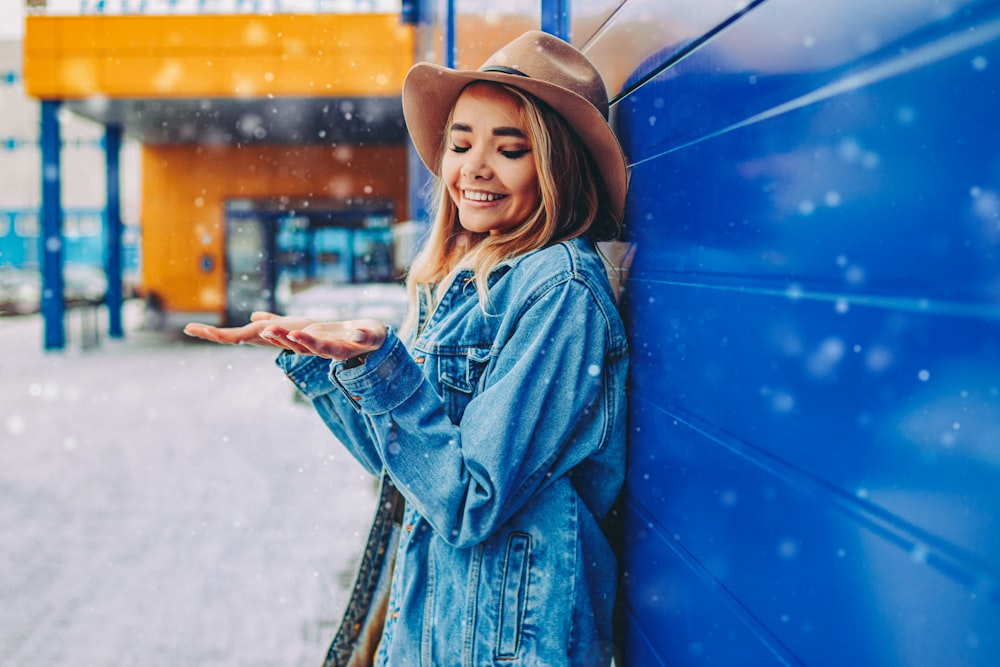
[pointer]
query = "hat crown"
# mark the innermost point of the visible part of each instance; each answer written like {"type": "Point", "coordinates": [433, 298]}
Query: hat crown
{"type": "Point", "coordinates": [542, 57]}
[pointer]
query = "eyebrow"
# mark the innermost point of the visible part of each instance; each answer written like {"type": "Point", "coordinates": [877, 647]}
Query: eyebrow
{"type": "Point", "coordinates": [497, 131]}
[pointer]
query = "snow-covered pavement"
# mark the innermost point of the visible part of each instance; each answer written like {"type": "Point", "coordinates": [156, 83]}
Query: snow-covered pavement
{"type": "Point", "coordinates": [166, 502]}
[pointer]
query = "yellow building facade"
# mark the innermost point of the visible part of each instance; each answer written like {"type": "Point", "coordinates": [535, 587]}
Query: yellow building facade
{"type": "Point", "coordinates": [303, 107]}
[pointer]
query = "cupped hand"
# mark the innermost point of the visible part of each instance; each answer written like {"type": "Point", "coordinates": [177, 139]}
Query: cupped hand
{"type": "Point", "coordinates": [331, 340]}
{"type": "Point", "coordinates": [248, 334]}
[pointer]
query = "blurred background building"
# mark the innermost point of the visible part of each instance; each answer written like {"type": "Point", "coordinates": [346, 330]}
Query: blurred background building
{"type": "Point", "coordinates": [83, 192]}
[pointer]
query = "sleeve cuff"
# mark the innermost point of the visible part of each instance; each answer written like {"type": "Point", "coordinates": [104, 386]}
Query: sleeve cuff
{"type": "Point", "coordinates": [311, 375]}
{"type": "Point", "coordinates": [388, 377]}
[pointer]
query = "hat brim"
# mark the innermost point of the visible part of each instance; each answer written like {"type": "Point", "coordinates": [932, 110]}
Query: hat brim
{"type": "Point", "coordinates": [430, 92]}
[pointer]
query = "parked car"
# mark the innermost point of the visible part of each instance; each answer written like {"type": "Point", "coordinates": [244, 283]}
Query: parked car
{"type": "Point", "coordinates": [20, 290]}
{"type": "Point", "coordinates": [84, 283]}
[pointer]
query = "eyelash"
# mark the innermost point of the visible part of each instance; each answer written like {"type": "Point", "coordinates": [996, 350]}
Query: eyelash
{"type": "Point", "coordinates": [512, 155]}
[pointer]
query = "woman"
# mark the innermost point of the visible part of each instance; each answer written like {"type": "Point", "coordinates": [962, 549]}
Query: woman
{"type": "Point", "coordinates": [497, 418]}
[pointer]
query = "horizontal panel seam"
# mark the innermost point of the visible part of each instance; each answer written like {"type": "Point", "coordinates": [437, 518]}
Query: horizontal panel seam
{"type": "Point", "coordinates": [926, 55]}
{"type": "Point", "coordinates": [796, 291]}
{"type": "Point", "coordinates": [640, 628]}
{"type": "Point", "coordinates": [686, 50]}
{"type": "Point", "coordinates": [754, 624]}
{"type": "Point", "coordinates": [946, 557]}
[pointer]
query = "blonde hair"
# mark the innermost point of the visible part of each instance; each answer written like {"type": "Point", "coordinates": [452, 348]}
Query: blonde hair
{"type": "Point", "coordinates": [571, 204]}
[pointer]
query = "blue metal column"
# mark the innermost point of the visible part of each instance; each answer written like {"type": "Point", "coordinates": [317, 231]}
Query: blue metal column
{"type": "Point", "coordinates": [352, 271]}
{"type": "Point", "coordinates": [424, 14]}
{"type": "Point", "coordinates": [555, 18]}
{"type": "Point", "coordinates": [113, 222]}
{"type": "Point", "coordinates": [450, 41]}
{"type": "Point", "coordinates": [51, 236]}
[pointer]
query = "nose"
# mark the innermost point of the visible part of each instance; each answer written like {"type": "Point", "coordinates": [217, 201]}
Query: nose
{"type": "Point", "coordinates": [475, 165]}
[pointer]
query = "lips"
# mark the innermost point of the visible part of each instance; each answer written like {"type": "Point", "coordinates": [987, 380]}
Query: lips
{"type": "Point", "coordinates": [478, 196]}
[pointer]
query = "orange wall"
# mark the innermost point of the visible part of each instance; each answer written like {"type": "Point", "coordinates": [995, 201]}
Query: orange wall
{"type": "Point", "coordinates": [249, 55]}
{"type": "Point", "coordinates": [185, 189]}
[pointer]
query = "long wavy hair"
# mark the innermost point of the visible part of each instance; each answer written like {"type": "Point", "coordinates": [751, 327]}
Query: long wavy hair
{"type": "Point", "coordinates": [572, 204]}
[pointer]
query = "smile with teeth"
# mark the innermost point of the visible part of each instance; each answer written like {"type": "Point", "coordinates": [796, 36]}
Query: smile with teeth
{"type": "Point", "coordinates": [481, 196]}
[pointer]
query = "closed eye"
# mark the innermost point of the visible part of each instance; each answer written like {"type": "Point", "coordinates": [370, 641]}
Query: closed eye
{"type": "Point", "coordinates": [513, 155]}
{"type": "Point", "coordinates": [459, 149]}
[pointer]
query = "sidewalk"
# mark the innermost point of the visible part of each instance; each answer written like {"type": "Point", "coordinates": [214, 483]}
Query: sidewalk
{"type": "Point", "coordinates": [165, 502]}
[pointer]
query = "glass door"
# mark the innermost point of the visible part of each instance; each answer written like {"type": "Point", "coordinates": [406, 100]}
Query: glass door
{"type": "Point", "coordinates": [250, 278]}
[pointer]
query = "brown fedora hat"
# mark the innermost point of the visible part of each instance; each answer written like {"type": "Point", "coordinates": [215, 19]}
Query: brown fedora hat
{"type": "Point", "coordinates": [537, 63]}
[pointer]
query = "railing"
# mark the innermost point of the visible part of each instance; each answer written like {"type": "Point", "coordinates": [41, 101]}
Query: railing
{"type": "Point", "coordinates": [164, 7]}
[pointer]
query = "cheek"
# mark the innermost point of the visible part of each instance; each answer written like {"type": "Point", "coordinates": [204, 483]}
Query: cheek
{"type": "Point", "coordinates": [449, 176]}
{"type": "Point", "coordinates": [450, 165]}
{"type": "Point", "coordinates": [532, 191]}
{"type": "Point", "coordinates": [523, 181]}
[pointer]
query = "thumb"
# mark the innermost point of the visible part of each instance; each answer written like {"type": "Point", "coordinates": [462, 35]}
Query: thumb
{"type": "Point", "coordinates": [367, 333]}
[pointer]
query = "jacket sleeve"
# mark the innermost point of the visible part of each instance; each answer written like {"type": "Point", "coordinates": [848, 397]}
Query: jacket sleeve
{"type": "Point", "coordinates": [311, 375]}
{"type": "Point", "coordinates": [550, 399]}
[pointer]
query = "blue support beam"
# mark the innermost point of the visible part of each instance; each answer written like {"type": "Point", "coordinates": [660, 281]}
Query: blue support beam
{"type": "Point", "coordinates": [450, 40]}
{"type": "Point", "coordinates": [555, 18]}
{"type": "Point", "coordinates": [113, 222]}
{"type": "Point", "coordinates": [51, 237]}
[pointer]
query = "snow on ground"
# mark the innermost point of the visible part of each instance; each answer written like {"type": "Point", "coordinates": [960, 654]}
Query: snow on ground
{"type": "Point", "coordinates": [166, 502]}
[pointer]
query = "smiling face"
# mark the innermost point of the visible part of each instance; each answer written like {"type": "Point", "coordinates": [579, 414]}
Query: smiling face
{"type": "Point", "coordinates": [488, 166]}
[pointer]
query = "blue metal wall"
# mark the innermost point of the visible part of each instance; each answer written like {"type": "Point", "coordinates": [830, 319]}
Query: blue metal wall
{"type": "Point", "coordinates": [814, 306]}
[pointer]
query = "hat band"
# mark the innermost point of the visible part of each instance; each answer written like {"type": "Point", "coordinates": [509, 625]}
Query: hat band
{"type": "Point", "coordinates": [504, 70]}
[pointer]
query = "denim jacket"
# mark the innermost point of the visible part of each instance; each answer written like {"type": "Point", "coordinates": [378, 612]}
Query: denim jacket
{"type": "Point", "coordinates": [503, 428]}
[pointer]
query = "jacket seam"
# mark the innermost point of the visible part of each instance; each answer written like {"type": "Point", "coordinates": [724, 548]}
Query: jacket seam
{"type": "Point", "coordinates": [427, 634]}
{"type": "Point", "coordinates": [472, 604]}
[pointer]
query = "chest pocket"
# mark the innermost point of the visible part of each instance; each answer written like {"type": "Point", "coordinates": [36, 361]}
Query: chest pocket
{"type": "Point", "coordinates": [460, 375]}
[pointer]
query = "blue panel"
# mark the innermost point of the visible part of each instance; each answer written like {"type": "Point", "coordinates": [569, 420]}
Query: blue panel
{"type": "Point", "coordinates": [778, 53]}
{"type": "Point", "coordinates": [814, 311]}
{"type": "Point", "coordinates": [821, 193]}
{"type": "Point", "coordinates": [866, 400]}
{"type": "Point", "coordinates": [679, 614]}
{"type": "Point", "coordinates": [640, 651]}
{"type": "Point", "coordinates": [795, 562]}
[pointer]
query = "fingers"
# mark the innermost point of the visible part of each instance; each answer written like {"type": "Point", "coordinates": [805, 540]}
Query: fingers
{"type": "Point", "coordinates": [339, 340]}
{"type": "Point", "coordinates": [226, 336]}
{"type": "Point", "coordinates": [336, 345]}
{"type": "Point", "coordinates": [279, 337]}
{"type": "Point", "coordinates": [332, 340]}
{"type": "Point", "coordinates": [203, 331]}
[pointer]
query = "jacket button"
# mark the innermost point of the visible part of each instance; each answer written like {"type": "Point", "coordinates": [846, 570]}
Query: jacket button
{"type": "Point", "coordinates": [408, 527]}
